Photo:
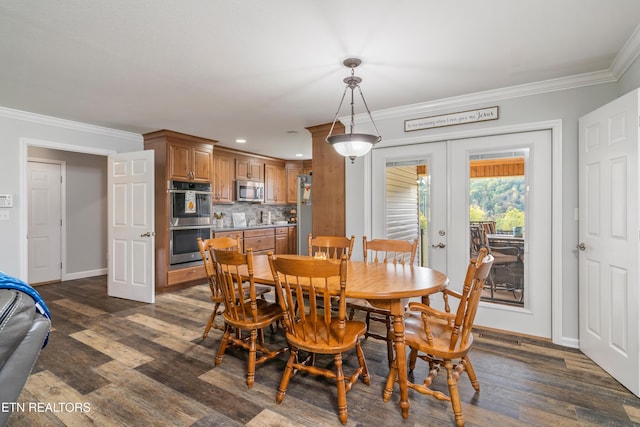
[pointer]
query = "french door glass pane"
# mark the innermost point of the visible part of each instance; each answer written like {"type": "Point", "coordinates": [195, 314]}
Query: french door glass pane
{"type": "Point", "coordinates": [497, 218]}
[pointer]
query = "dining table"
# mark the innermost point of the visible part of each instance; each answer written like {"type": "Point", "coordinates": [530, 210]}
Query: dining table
{"type": "Point", "coordinates": [384, 285]}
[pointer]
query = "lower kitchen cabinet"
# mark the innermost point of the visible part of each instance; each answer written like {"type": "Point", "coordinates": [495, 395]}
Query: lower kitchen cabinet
{"type": "Point", "coordinates": [259, 240]}
{"type": "Point", "coordinates": [282, 240]}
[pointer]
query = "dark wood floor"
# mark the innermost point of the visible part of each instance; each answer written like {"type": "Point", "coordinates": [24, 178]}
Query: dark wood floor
{"type": "Point", "coordinates": [131, 364]}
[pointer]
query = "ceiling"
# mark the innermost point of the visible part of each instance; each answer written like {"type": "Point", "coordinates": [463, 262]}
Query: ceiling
{"type": "Point", "coordinates": [265, 70]}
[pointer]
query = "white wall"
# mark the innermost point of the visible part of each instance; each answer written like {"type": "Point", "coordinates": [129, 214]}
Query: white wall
{"type": "Point", "coordinates": [566, 105]}
{"type": "Point", "coordinates": [18, 130]}
{"type": "Point", "coordinates": [86, 211]}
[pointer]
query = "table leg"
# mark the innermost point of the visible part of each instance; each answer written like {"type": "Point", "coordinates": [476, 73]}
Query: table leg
{"type": "Point", "coordinates": [400, 363]}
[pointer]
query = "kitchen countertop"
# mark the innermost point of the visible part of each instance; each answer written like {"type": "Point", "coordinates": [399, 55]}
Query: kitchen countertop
{"type": "Point", "coordinates": [253, 227]}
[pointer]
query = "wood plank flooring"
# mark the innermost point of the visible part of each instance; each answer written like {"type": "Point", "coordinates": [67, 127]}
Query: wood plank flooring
{"type": "Point", "coordinates": [112, 362]}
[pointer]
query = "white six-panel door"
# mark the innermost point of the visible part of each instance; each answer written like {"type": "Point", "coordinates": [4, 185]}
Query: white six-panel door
{"type": "Point", "coordinates": [609, 234]}
{"type": "Point", "coordinates": [131, 226]}
{"type": "Point", "coordinates": [45, 222]}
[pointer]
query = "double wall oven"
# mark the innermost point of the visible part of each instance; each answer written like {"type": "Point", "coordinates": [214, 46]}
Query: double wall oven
{"type": "Point", "coordinates": [190, 218]}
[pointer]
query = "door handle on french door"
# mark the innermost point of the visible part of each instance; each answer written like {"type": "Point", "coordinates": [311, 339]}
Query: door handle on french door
{"type": "Point", "coordinates": [439, 245]}
{"type": "Point", "coordinates": [581, 246]}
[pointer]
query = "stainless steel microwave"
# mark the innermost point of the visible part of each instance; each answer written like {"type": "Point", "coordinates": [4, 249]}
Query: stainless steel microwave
{"type": "Point", "coordinates": [250, 191]}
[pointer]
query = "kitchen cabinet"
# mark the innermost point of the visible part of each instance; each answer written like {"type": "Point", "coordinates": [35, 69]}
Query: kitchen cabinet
{"type": "Point", "coordinates": [293, 170]}
{"type": "Point", "coordinates": [180, 157]}
{"type": "Point", "coordinates": [222, 187]}
{"type": "Point", "coordinates": [274, 184]}
{"type": "Point", "coordinates": [292, 233]}
{"type": "Point", "coordinates": [307, 167]}
{"type": "Point", "coordinates": [249, 169]}
{"type": "Point", "coordinates": [190, 162]}
{"type": "Point", "coordinates": [282, 240]}
{"type": "Point", "coordinates": [259, 240]}
{"type": "Point", "coordinates": [185, 275]}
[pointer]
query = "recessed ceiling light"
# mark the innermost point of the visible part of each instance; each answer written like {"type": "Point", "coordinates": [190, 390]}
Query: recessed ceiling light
{"type": "Point", "coordinates": [299, 155]}
{"type": "Point", "coordinates": [241, 141]}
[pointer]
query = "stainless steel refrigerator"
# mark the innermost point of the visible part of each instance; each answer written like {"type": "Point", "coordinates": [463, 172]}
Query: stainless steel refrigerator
{"type": "Point", "coordinates": [305, 197]}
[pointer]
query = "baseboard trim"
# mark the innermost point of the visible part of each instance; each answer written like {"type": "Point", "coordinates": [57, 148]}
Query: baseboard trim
{"type": "Point", "coordinates": [85, 274]}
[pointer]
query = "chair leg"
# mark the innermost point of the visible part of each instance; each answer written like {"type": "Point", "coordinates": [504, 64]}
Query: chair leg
{"type": "Point", "coordinates": [251, 369]}
{"type": "Point", "coordinates": [387, 322]}
{"type": "Point", "coordinates": [342, 391]}
{"type": "Point", "coordinates": [286, 375]}
{"type": "Point", "coordinates": [352, 312]}
{"type": "Point", "coordinates": [223, 344]}
{"type": "Point", "coordinates": [413, 357]}
{"type": "Point", "coordinates": [363, 364]}
{"type": "Point", "coordinates": [210, 322]}
{"type": "Point", "coordinates": [471, 373]}
{"type": "Point", "coordinates": [453, 393]}
{"type": "Point", "coordinates": [367, 319]}
{"type": "Point", "coordinates": [391, 380]}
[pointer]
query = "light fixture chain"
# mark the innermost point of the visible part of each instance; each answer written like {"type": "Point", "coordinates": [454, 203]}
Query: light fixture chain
{"type": "Point", "coordinates": [352, 108]}
{"type": "Point", "coordinates": [364, 101]}
{"type": "Point", "coordinates": [338, 112]}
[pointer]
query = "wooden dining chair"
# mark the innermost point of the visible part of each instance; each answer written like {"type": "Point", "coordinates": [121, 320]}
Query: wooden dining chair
{"type": "Point", "coordinates": [387, 251]}
{"type": "Point", "coordinates": [313, 329]}
{"type": "Point", "coordinates": [507, 261]}
{"type": "Point", "coordinates": [333, 247]}
{"type": "Point", "coordinates": [445, 339]}
{"type": "Point", "coordinates": [205, 246]}
{"type": "Point", "coordinates": [252, 314]}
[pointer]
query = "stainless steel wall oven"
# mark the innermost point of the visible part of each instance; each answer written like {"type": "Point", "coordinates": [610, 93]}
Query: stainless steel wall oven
{"type": "Point", "coordinates": [183, 244]}
{"type": "Point", "coordinates": [190, 218]}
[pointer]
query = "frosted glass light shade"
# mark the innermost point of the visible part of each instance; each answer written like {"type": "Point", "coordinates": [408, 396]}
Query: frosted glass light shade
{"type": "Point", "coordinates": [353, 145]}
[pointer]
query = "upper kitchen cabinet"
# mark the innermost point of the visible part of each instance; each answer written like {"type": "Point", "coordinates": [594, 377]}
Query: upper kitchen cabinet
{"type": "Point", "coordinates": [182, 157]}
{"type": "Point", "coordinates": [292, 172]}
{"type": "Point", "coordinates": [274, 184]}
{"type": "Point", "coordinates": [249, 169]}
{"type": "Point", "coordinates": [222, 177]}
{"type": "Point", "coordinates": [189, 162]}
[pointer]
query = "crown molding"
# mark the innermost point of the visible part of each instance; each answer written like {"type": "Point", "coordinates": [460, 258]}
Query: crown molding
{"type": "Point", "coordinates": [26, 116]}
{"type": "Point", "coordinates": [629, 53]}
{"type": "Point", "coordinates": [529, 89]}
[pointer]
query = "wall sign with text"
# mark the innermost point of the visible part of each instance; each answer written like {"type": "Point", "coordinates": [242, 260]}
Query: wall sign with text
{"type": "Point", "coordinates": [452, 119]}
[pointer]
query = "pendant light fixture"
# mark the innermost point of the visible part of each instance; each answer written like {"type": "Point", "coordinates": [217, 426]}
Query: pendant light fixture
{"type": "Point", "coordinates": [353, 144]}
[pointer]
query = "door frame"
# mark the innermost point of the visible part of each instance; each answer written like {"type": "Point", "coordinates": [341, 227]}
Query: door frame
{"type": "Point", "coordinates": [556, 201]}
{"type": "Point", "coordinates": [63, 211]}
{"type": "Point", "coordinates": [25, 143]}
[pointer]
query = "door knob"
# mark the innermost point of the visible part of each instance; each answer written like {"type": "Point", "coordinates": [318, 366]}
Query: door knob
{"type": "Point", "coordinates": [581, 246]}
{"type": "Point", "coordinates": [148, 234]}
{"type": "Point", "coordinates": [439, 245]}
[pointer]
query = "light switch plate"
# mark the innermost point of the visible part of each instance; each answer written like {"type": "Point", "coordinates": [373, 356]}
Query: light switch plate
{"type": "Point", "coordinates": [5, 215]}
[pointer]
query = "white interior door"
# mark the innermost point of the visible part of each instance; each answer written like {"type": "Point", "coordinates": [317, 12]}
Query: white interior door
{"type": "Point", "coordinates": [44, 181]}
{"type": "Point", "coordinates": [131, 226]}
{"type": "Point", "coordinates": [608, 233]}
{"type": "Point", "coordinates": [534, 317]}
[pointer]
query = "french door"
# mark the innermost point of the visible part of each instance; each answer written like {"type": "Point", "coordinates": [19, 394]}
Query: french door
{"type": "Point", "coordinates": [446, 232]}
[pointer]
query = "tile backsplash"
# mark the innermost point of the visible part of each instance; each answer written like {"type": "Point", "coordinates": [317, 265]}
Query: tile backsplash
{"type": "Point", "coordinates": [252, 212]}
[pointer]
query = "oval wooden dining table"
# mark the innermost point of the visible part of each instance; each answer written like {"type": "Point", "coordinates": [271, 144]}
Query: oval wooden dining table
{"type": "Point", "coordinates": [384, 285]}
